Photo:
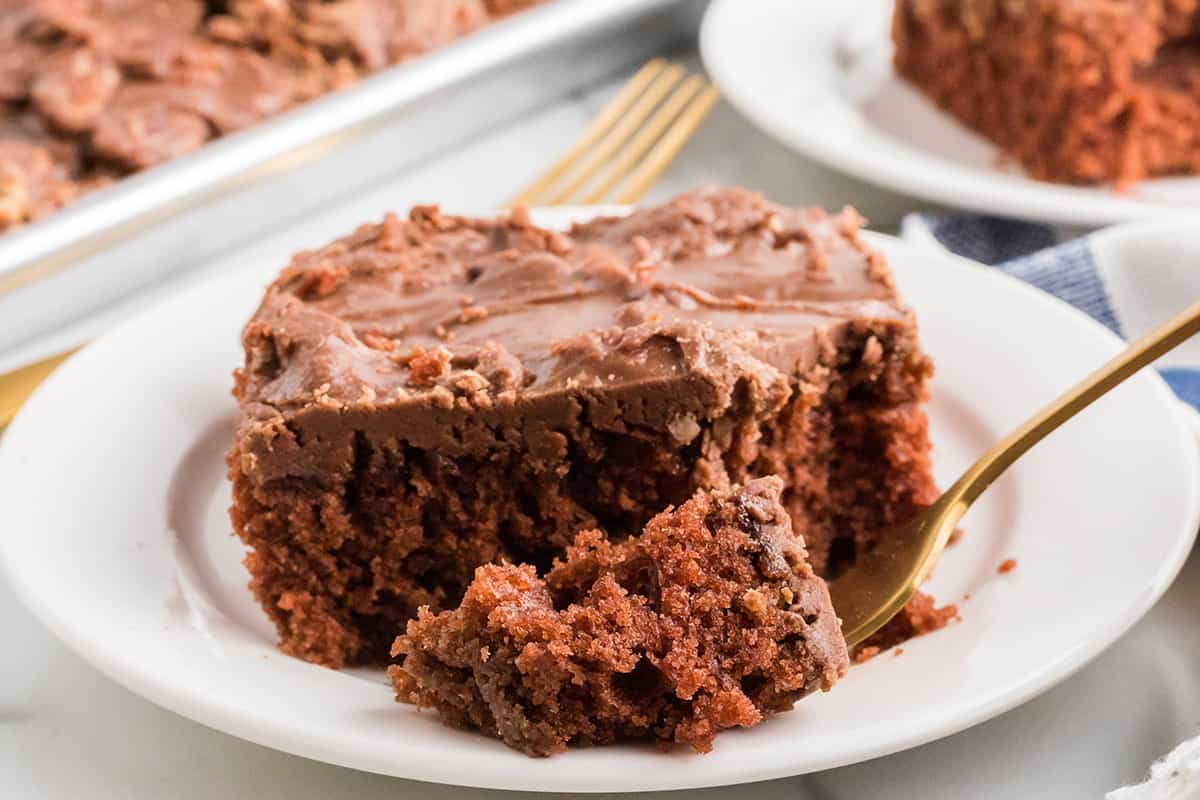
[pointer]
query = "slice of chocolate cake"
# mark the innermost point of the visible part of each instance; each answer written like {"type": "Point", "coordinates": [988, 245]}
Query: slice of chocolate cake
{"type": "Point", "coordinates": [1077, 91]}
{"type": "Point", "coordinates": [436, 393]}
{"type": "Point", "coordinates": [710, 619]}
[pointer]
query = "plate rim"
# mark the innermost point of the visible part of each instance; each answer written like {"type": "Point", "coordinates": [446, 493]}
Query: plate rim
{"type": "Point", "coordinates": [1043, 201]}
{"type": "Point", "coordinates": [272, 732]}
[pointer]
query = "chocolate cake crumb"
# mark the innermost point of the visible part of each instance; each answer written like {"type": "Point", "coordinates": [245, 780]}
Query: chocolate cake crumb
{"type": "Point", "coordinates": [709, 619]}
{"type": "Point", "coordinates": [865, 653]}
{"type": "Point", "coordinates": [919, 617]}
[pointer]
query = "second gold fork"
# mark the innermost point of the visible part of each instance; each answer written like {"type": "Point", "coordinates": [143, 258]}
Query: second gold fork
{"type": "Point", "coordinates": [631, 141]}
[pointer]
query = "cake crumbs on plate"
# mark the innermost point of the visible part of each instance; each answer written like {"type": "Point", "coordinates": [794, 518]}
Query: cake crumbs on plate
{"type": "Point", "coordinates": [866, 654]}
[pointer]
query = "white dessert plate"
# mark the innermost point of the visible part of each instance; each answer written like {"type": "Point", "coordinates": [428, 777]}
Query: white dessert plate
{"type": "Point", "coordinates": [113, 499]}
{"type": "Point", "coordinates": [818, 77]}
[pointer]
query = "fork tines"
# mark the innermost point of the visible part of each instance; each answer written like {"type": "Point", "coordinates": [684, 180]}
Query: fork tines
{"type": "Point", "coordinates": [630, 142]}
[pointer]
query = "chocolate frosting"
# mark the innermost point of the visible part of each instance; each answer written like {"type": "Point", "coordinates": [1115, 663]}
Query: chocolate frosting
{"type": "Point", "coordinates": [448, 311]}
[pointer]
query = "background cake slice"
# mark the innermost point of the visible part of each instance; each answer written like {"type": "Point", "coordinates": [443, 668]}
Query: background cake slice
{"type": "Point", "coordinates": [1076, 91]}
{"type": "Point", "coordinates": [710, 619]}
{"type": "Point", "coordinates": [435, 393]}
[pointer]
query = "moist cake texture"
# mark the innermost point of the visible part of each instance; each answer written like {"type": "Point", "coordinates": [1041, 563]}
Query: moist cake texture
{"type": "Point", "coordinates": [91, 90]}
{"type": "Point", "coordinates": [436, 393]}
{"type": "Point", "coordinates": [1077, 91]}
{"type": "Point", "coordinates": [710, 619]}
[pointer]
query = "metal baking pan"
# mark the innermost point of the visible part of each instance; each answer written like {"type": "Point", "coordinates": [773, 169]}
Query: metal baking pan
{"type": "Point", "coordinates": [153, 224]}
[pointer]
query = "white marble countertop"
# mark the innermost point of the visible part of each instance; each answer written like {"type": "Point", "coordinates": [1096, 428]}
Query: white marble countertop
{"type": "Point", "coordinates": [68, 732]}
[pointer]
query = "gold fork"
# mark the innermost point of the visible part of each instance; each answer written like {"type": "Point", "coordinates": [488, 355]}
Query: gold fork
{"type": "Point", "coordinates": [17, 385]}
{"type": "Point", "coordinates": [629, 144]}
{"type": "Point", "coordinates": [879, 584]}
{"type": "Point", "coordinates": [625, 149]}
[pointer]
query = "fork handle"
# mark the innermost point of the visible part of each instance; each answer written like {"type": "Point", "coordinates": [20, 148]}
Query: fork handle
{"type": "Point", "coordinates": [1140, 354]}
{"type": "Point", "coordinates": [16, 386]}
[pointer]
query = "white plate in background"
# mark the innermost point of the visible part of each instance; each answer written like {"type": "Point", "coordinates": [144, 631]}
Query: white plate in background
{"type": "Point", "coordinates": [818, 77]}
{"type": "Point", "coordinates": [113, 498]}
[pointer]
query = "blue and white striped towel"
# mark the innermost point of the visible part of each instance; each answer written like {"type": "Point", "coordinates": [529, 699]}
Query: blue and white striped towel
{"type": "Point", "coordinates": [1129, 278]}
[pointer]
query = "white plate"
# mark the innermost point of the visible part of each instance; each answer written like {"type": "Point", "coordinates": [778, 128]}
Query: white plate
{"type": "Point", "coordinates": [818, 77]}
{"type": "Point", "coordinates": [113, 498]}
